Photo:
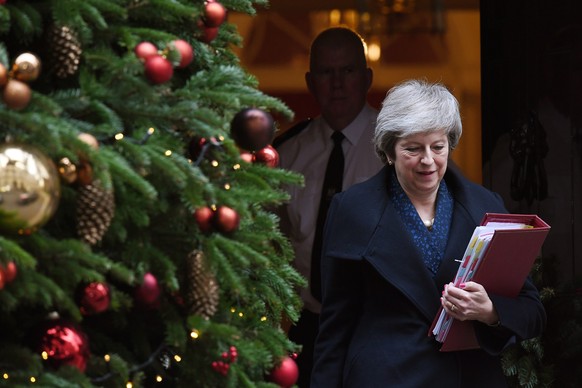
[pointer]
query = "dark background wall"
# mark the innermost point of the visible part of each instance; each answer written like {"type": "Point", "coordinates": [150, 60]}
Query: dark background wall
{"type": "Point", "coordinates": [531, 58]}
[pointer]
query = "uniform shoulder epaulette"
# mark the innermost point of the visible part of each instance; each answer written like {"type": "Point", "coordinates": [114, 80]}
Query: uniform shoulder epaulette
{"type": "Point", "coordinates": [291, 132]}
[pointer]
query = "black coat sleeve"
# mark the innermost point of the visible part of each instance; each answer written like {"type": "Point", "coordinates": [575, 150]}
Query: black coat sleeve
{"type": "Point", "coordinates": [520, 318]}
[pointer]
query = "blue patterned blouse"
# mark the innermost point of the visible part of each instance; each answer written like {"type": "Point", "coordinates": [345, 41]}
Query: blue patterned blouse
{"type": "Point", "coordinates": [431, 243]}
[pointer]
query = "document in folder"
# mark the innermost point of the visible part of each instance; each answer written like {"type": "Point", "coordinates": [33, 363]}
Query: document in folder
{"type": "Point", "coordinates": [499, 255]}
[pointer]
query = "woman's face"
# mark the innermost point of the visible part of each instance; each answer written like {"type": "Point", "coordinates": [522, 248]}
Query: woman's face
{"type": "Point", "coordinates": [421, 161]}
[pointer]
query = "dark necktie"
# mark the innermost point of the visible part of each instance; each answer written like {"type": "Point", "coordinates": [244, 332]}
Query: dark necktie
{"type": "Point", "coordinates": [332, 183]}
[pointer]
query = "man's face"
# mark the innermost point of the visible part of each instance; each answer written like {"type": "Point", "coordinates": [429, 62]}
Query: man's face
{"type": "Point", "coordinates": [339, 81]}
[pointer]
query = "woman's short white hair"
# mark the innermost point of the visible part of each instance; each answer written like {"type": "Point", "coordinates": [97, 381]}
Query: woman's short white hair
{"type": "Point", "coordinates": [416, 106]}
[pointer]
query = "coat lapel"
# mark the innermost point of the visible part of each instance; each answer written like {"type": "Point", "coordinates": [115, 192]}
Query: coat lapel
{"type": "Point", "coordinates": [383, 241]}
{"type": "Point", "coordinates": [392, 253]}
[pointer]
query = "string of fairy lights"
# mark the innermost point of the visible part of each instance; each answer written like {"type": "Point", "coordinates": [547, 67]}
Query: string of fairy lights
{"type": "Point", "coordinates": [163, 350]}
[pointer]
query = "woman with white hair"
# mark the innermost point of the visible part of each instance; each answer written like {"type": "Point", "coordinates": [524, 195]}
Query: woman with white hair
{"type": "Point", "coordinates": [389, 254]}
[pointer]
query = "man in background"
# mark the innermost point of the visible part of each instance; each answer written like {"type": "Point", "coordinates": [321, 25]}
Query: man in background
{"type": "Point", "coordinates": [339, 79]}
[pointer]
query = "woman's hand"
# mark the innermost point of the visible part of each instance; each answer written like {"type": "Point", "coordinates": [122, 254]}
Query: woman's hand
{"type": "Point", "coordinates": [469, 301]}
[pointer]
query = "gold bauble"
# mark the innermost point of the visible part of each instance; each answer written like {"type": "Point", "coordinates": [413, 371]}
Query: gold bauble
{"type": "Point", "coordinates": [67, 170]}
{"type": "Point", "coordinates": [16, 94]}
{"type": "Point", "coordinates": [26, 67]}
{"type": "Point", "coordinates": [89, 139]}
{"type": "Point", "coordinates": [29, 189]}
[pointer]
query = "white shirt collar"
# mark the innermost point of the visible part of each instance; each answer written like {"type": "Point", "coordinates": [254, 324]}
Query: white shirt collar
{"type": "Point", "coordinates": [353, 132]}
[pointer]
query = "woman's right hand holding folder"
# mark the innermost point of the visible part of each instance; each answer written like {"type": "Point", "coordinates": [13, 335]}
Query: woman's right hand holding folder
{"type": "Point", "coordinates": [469, 301]}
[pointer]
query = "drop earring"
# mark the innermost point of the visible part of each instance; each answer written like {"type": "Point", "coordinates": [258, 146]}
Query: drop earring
{"type": "Point", "coordinates": [389, 162]}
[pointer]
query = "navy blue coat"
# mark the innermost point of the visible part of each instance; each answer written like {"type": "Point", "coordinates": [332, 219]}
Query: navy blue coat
{"type": "Point", "coordinates": [379, 299]}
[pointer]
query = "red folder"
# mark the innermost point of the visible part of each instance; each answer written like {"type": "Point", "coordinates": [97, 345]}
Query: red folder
{"type": "Point", "coordinates": [505, 265]}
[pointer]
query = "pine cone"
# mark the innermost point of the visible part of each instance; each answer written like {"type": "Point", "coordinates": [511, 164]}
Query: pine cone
{"type": "Point", "coordinates": [66, 51]}
{"type": "Point", "coordinates": [95, 209]}
{"type": "Point", "coordinates": [201, 296]}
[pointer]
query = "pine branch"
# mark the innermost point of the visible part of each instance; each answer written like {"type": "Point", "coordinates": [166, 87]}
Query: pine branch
{"type": "Point", "coordinates": [145, 180]}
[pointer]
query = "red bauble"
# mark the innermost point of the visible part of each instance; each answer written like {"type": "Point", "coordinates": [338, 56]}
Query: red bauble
{"type": "Point", "coordinates": [226, 220]}
{"type": "Point", "coordinates": [252, 129]}
{"type": "Point", "coordinates": [145, 50]}
{"type": "Point", "coordinates": [148, 292]}
{"type": "Point", "coordinates": [232, 354]}
{"type": "Point", "coordinates": [208, 33]}
{"type": "Point", "coordinates": [2, 282]}
{"type": "Point", "coordinates": [62, 343]}
{"type": "Point", "coordinates": [221, 367]}
{"type": "Point", "coordinates": [8, 272]}
{"type": "Point", "coordinates": [197, 144]}
{"type": "Point", "coordinates": [214, 14]}
{"type": "Point", "coordinates": [203, 217]}
{"type": "Point", "coordinates": [267, 156]}
{"type": "Point", "coordinates": [84, 173]}
{"type": "Point", "coordinates": [285, 374]}
{"type": "Point", "coordinates": [186, 52]}
{"type": "Point", "coordinates": [195, 147]}
{"type": "Point", "coordinates": [94, 298]}
{"type": "Point", "coordinates": [158, 69]}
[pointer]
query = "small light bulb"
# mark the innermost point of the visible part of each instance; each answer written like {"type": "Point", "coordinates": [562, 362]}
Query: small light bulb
{"type": "Point", "coordinates": [374, 51]}
{"type": "Point", "coordinates": [168, 153]}
{"type": "Point", "coordinates": [335, 16]}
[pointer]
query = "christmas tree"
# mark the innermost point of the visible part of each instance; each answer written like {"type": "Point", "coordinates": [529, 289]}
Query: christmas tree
{"type": "Point", "coordinates": [138, 240]}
